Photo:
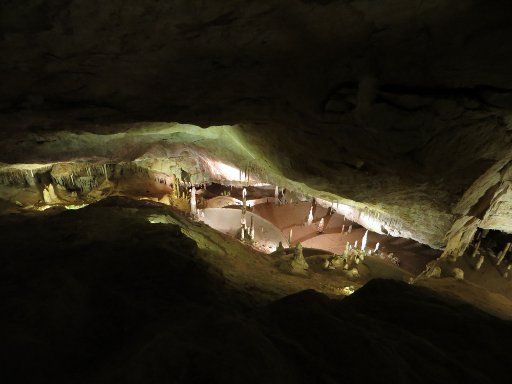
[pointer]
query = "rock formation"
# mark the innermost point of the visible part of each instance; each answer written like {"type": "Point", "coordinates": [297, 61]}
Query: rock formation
{"type": "Point", "coordinates": [298, 263]}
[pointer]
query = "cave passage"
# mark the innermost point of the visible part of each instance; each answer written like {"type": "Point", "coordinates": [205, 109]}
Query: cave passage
{"type": "Point", "coordinates": [238, 202]}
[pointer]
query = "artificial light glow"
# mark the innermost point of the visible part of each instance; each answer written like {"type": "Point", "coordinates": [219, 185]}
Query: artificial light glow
{"type": "Point", "coordinates": [222, 171]}
{"type": "Point", "coordinates": [160, 219]}
{"type": "Point", "coordinates": [75, 206]}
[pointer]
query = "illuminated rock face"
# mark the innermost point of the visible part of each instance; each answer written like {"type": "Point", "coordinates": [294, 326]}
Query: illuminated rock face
{"type": "Point", "coordinates": [265, 235]}
{"type": "Point", "coordinates": [487, 204]}
{"type": "Point", "coordinates": [49, 195]}
{"type": "Point", "coordinates": [391, 111]}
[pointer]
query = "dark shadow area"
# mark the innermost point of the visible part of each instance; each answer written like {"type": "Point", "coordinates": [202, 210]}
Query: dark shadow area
{"type": "Point", "coordinates": [100, 295]}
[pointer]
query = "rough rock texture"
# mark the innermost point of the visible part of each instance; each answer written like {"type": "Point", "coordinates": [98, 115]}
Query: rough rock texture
{"type": "Point", "coordinates": [398, 105]}
{"type": "Point", "coordinates": [487, 204]}
{"type": "Point", "coordinates": [91, 296]}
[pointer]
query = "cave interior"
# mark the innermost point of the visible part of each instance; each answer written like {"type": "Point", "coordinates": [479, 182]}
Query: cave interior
{"type": "Point", "coordinates": [238, 191]}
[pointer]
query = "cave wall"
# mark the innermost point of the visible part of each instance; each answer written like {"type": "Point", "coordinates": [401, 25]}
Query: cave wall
{"type": "Point", "coordinates": [396, 105]}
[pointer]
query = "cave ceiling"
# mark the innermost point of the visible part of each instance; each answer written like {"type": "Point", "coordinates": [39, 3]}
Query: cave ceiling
{"type": "Point", "coordinates": [398, 105]}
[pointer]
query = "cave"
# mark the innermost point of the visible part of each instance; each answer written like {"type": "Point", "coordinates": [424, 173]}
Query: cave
{"type": "Point", "coordinates": [237, 191]}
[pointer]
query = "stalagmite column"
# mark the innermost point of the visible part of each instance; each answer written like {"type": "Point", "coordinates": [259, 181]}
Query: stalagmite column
{"type": "Point", "coordinates": [321, 225]}
{"type": "Point", "coordinates": [479, 262]}
{"type": "Point", "coordinates": [193, 204]}
{"type": "Point", "coordinates": [105, 171]}
{"type": "Point", "coordinates": [350, 228]}
{"type": "Point", "coordinates": [299, 262]}
{"type": "Point", "coordinates": [244, 199]}
{"type": "Point", "coordinates": [343, 228]}
{"type": "Point", "coordinates": [290, 237]}
{"type": "Point", "coordinates": [46, 196]}
{"type": "Point", "coordinates": [355, 245]}
{"type": "Point", "coordinates": [310, 216]}
{"type": "Point", "coordinates": [49, 195]}
{"type": "Point", "coordinates": [243, 225]}
{"type": "Point", "coordinates": [475, 250]}
{"type": "Point", "coordinates": [376, 247]}
{"type": "Point", "coordinates": [364, 240]}
{"type": "Point", "coordinates": [503, 253]}
{"type": "Point", "coordinates": [276, 195]}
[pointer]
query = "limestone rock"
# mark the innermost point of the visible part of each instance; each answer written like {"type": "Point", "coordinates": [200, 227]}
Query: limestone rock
{"type": "Point", "coordinates": [458, 273]}
{"type": "Point", "coordinates": [298, 263]}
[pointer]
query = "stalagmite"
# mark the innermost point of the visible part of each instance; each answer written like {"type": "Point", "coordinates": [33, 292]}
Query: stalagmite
{"type": "Point", "coordinates": [290, 236]}
{"type": "Point", "coordinates": [479, 262]}
{"type": "Point", "coordinates": [507, 271]}
{"type": "Point", "coordinates": [299, 263]}
{"type": "Point", "coordinates": [458, 274]}
{"type": "Point", "coordinates": [105, 171]}
{"type": "Point", "coordinates": [244, 199]}
{"type": "Point", "coordinates": [350, 228]}
{"type": "Point", "coordinates": [355, 244]}
{"type": "Point", "coordinates": [321, 224]}
{"type": "Point", "coordinates": [193, 206]}
{"type": "Point", "coordinates": [376, 247]}
{"type": "Point", "coordinates": [364, 240]}
{"type": "Point", "coordinates": [251, 229]}
{"type": "Point", "coordinates": [276, 195]}
{"type": "Point", "coordinates": [280, 249]}
{"type": "Point", "coordinates": [475, 250]}
{"type": "Point", "coordinates": [310, 216]}
{"type": "Point", "coordinates": [343, 229]}
{"type": "Point", "coordinates": [49, 195]}
{"type": "Point", "coordinates": [243, 222]}
{"type": "Point", "coordinates": [435, 272]}
{"type": "Point", "coordinates": [503, 253]}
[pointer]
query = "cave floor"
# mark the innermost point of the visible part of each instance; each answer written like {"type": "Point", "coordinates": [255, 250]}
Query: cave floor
{"type": "Point", "coordinates": [256, 274]}
{"type": "Point", "coordinates": [412, 256]}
